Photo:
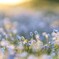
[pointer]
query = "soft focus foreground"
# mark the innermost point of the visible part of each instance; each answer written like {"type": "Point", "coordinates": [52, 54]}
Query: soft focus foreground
{"type": "Point", "coordinates": [37, 46]}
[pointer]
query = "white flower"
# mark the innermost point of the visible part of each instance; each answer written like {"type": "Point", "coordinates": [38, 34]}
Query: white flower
{"type": "Point", "coordinates": [55, 34]}
{"type": "Point", "coordinates": [24, 54]}
{"type": "Point", "coordinates": [21, 47]}
{"type": "Point", "coordinates": [37, 36]}
{"type": "Point", "coordinates": [56, 42]}
{"type": "Point", "coordinates": [31, 34]}
{"type": "Point", "coordinates": [11, 51]}
{"type": "Point", "coordinates": [14, 31]}
{"type": "Point", "coordinates": [32, 57]}
{"type": "Point", "coordinates": [32, 41]}
{"type": "Point", "coordinates": [18, 37]}
{"type": "Point", "coordinates": [4, 43]}
{"type": "Point", "coordinates": [54, 38]}
{"type": "Point", "coordinates": [45, 56]}
{"type": "Point", "coordinates": [37, 46]}
{"type": "Point", "coordinates": [4, 33]}
{"type": "Point", "coordinates": [45, 34]}
{"type": "Point", "coordinates": [52, 54]}
{"type": "Point", "coordinates": [11, 47]}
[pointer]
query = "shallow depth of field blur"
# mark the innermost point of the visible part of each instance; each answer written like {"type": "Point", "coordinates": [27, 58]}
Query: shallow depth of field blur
{"type": "Point", "coordinates": [29, 29]}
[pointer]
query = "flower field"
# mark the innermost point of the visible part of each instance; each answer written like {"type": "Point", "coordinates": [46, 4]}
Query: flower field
{"type": "Point", "coordinates": [14, 46]}
{"type": "Point", "coordinates": [29, 29]}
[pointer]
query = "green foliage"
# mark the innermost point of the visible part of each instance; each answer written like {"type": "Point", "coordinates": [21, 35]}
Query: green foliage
{"type": "Point", "coordinates": [40, 3]}
{"type": "Point", "coordinates": [56, 1]}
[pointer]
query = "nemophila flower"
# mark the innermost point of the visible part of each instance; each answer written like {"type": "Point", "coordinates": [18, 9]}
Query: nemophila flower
{"type": "Point", "coordinates": [31, 34]}
{"type": "Point", "coordinates": [11, 51]}
{"type": "Point", "coordinates": [35, 32]}
{"type": "Point", "coordinates": [46, 46]}
{"type": "Point", "coordinates": [32, 41]}
{"type": "Point", "coordinates": [19, 37]}
{"type": "Point", "coordinates": [53, 54]}
{"type": "Point", "coordinates": [55, 30]}
{"type": "Point", "coordinates": [36, 35]}
{"type": "Point", "coordinates": [29, 43]}
{"type": "Point", "coordinates": [11, 47]}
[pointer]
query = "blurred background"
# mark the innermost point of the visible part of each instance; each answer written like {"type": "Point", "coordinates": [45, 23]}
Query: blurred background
{"type": "Point", "coordinates": [31, 15]}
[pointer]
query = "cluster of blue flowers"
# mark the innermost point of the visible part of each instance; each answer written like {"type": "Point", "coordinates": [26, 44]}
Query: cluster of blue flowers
{"type": "Point", "coordinates": [14, 46]}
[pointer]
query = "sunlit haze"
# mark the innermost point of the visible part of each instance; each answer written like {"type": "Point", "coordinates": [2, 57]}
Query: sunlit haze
{"type": "Point", "coordinates": [12, 2]}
